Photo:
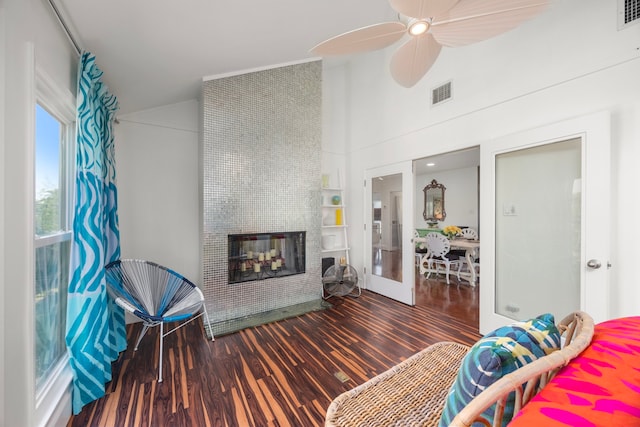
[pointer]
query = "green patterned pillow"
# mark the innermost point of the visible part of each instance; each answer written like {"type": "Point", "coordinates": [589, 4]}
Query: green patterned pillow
{"type": "Point", "coordinates": [495, 355]}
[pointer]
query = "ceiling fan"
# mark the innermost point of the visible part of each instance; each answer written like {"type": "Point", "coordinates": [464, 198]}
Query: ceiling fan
{"type": "Point", "coordinates": [431, 24]}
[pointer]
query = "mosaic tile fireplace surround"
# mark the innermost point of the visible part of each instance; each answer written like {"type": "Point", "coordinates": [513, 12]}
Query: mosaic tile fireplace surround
{"type": "Point", "coordinates": [260, 173]}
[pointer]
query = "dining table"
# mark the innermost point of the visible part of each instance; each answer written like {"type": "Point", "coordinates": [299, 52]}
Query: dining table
{"type": "Point", "coordinates": [470, 247]}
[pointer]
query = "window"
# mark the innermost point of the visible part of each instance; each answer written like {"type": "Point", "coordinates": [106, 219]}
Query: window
{"type": "Point", "coordinates": [52, 228]}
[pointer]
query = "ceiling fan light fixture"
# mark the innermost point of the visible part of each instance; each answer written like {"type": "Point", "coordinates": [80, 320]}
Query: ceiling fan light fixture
{"type": "Point", "coordinates": [418, 27]}
{"type": "Point", "coordinates": [430, 25]}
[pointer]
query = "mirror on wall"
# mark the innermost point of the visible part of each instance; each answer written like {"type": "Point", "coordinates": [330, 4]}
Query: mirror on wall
{"type": "Point", "coordinates": [434, 210]}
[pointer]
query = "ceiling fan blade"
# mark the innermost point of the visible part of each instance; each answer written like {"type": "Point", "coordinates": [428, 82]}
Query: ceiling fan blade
{"type": "Point", "coordinates": [364, 39]}
{"type": "Point", "coordinates": [475, 20]}
{"type": "Point", "coordinates": [422, 8]}
{"type": "Point", "coordinates": [413, 59]}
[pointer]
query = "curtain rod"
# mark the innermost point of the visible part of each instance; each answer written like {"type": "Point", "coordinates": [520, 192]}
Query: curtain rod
{"type": "Point", "coordinates": [64, 26]}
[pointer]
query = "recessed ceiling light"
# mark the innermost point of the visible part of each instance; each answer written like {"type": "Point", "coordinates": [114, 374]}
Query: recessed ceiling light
{"type": "Point", "coordinates": [431, 164]}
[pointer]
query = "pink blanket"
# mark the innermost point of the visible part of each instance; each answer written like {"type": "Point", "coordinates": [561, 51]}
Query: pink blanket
{"type": "Point", "coordinates": [600, 387]}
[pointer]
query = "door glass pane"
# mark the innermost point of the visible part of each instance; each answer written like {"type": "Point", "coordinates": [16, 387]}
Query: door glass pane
{"type": "Point", "coordinates": [387, 226]}
{"type": "Point", "coordinates": [538, 223]}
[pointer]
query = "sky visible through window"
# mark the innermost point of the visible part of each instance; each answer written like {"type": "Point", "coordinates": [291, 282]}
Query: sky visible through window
{"type": "Point", "coordinates": [47, 153]}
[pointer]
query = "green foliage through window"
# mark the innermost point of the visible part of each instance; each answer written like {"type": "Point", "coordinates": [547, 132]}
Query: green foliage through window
{"type": "Point", "coordinates": [48, 213]}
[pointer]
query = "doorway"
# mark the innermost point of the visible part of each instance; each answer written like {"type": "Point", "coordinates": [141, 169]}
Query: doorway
{"type": "Point", "coordinates": [388, 200]}
{"type": "Point", "coordinates": [458, 172]}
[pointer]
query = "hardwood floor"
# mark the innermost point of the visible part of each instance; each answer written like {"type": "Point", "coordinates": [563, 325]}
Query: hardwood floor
{"type": "Point", "coordinates": [458, 300]}
{"type": "Point", "coordinates": [280, 374]}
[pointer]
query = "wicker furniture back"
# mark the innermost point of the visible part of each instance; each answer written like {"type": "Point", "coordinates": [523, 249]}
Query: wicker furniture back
{"type": "Point", "coordinates": [577, 331]}
{"type": "Point", "coordinates": [414, 391]}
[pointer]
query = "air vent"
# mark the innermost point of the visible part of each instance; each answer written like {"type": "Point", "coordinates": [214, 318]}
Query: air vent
{"type": "Point", "coordinates": [441, 93]}
{"type": "Point", "coordinates": [628, 13]}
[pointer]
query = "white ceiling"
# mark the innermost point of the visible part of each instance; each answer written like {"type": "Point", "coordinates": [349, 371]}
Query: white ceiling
{"type": "Point", "coordinates": [156, 52]}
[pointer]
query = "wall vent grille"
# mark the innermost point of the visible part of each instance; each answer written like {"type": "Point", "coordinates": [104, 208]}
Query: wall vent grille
{"type": "Point", "coordinates": [441, 93]}
{"type": "Point", "coordinates": [628, 13]}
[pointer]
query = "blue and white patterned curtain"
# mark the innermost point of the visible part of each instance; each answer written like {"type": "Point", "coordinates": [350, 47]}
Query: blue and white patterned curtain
{"type": "Point", "coordinates": [95, 325]}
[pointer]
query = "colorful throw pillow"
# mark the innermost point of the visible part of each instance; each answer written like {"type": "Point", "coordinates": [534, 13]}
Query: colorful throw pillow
{"type": "Point", "coordinates": [600, 387]}
{"type": "Point", "coordinates": [495, 355]}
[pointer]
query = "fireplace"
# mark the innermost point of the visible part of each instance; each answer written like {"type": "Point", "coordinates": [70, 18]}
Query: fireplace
{"type": "Point", "coordinates": [265, 255]}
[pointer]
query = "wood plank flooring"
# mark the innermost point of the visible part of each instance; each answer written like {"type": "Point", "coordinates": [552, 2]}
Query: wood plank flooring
{"type": "Point", "coordinates": [281, 374]}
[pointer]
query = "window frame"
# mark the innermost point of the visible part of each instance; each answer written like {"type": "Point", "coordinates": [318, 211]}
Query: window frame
{"type": "Point", "coordinates": [61, 105]}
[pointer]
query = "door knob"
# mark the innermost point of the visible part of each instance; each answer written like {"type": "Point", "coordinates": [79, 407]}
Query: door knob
{"type": "Point", "coordinates": [594, 263]}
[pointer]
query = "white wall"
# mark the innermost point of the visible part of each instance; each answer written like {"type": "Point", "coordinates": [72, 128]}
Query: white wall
{"type": "Point", "coordinates": [30, 36]}
{"type": "Point", "coordinates": [460, 197]}
{"type": "Point", "coordinates": [157, 172]}
{"type": "Point", "coordinates": [2, 207]}
{"type": "Point", "coordinates": [334, 137]}
{"type": "Point", "coordinates": [550, 69]}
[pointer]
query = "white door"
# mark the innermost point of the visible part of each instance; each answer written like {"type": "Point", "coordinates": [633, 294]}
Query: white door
{"type": "Point", "coordinates": [545, 222]}
{"type": "Point", "coordinates": [389, 262]}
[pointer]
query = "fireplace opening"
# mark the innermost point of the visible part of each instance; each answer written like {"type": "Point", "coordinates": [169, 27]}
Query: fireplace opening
{"type": "Point", "coordinates": [265, 255]}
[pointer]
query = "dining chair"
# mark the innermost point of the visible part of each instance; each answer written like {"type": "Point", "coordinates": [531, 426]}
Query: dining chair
{"type": "Point", "coordinates": [471, 234]}
{"type": "Point", "coordinates": [466, 233]}
{"type": "Point", "coordinates": [438, 247]}
{"type": "Point", "coordinates": [420, 249]}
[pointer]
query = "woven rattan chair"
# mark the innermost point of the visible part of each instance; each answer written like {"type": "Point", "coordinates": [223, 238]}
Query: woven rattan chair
{"type": "Point", "coordinates": [413, 393]}
{"type": "Point", "coordinates": [156, 295]}
{"type": "Point", "coordinates": [577, 329]}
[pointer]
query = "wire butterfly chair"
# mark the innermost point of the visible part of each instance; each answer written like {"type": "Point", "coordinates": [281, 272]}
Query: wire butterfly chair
{"type": "Point", "coordinates": [155, 294]}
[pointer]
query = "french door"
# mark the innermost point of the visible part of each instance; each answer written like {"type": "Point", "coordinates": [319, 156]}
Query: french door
{"type": "Point", "coordinates": [389, 251]}
{"type": "Point", "coordinates": [545, 222]}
